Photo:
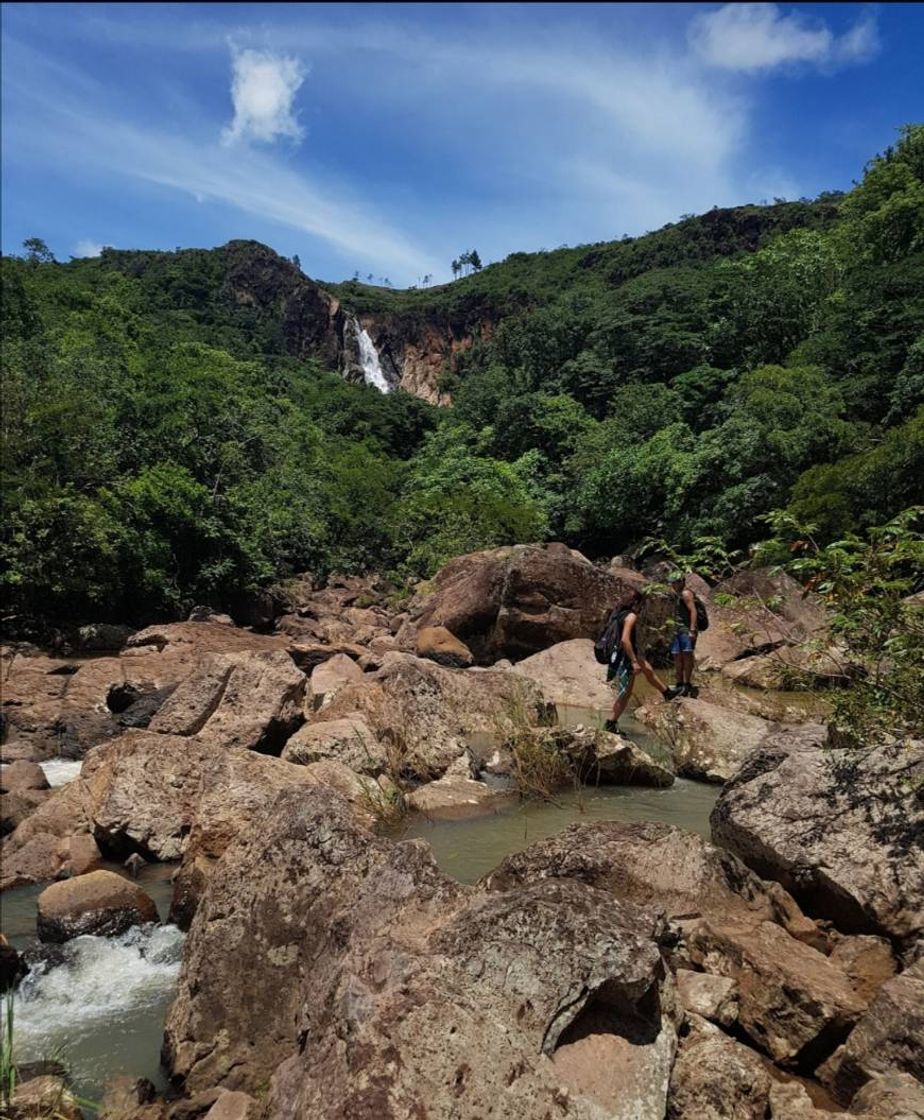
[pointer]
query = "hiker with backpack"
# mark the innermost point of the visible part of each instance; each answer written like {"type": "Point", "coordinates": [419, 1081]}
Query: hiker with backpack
{"type": "Point", "coordinates": [618, 648]}
{"type": "Point", "coordinates": [689, 618]}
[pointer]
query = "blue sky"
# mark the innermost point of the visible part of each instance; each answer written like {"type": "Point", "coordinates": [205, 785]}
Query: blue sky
{"type": "Point", "coordinates": [386, 138]}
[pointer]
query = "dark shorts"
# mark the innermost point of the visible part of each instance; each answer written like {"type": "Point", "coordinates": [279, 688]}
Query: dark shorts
{"type": "Point", "coordinates": [683, 642]}
{"type": "Point", "coordinates": [619, 675]}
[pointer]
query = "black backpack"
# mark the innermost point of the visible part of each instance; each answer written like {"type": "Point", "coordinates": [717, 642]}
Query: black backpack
{"type": "Point", "coordinates": [609, 637]}
{"type": "Point", "coordinates": [702, 615]}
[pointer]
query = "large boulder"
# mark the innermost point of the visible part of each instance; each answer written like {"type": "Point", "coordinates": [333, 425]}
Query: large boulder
{"type": "Point", "coordinates": [657, 865]}
{"type": "Point", "coordinates": [428, 715]}
{"type": "Point", "coordinates": [569, 675]}
{"type": "Point", "coordinates": [514, 601]}
{"type": "Point", "coordinates": [101, 902]}
{"type": "Point", "coordinates": [888, 1039]}
{"type": "Point", "coordinates": [794, 1003]}
{"type": "Point", "coordinates": [21, 776]}
{"type": "Point", "coordinates": [753, 612]}
{"type": "Point", "coordinates": [839, 828]}
{"type": "Point", "coordinates": [252, 700]}
{"type": "Point", "coordinates": [350, 741]}
{"type": "Point", "coordinates": [708, 741]}
{"type": "Point", "coordinates": [153, 794]}
{"type": "Point", "coordinates": [385, 985]}
{"type": "Point", "coordinates": [63, 708]}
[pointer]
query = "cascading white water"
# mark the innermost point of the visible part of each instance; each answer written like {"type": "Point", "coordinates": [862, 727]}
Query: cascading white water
{"type": "Point", "coordinates": [101, 1007]}
{"type": "Point", "coordinates": [60, 771]}
{"type": "Point", "coordinates": [369, 359]}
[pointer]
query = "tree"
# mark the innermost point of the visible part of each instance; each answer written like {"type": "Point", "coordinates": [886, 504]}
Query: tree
{"type": "Point", "coordinates": [456, 268]}
{"type": "Point", "coordinates": [297, 262]}
{"type": "Point", "coordinates": [37, 251]}
{"type": "Point", "coordinates": [474, 260]}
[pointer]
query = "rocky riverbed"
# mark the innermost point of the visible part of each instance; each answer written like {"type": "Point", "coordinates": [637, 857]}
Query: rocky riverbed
{"type": "Point", "coordinates": [715, 915]}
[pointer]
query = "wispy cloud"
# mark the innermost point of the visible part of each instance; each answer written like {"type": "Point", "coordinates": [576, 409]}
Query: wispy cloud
{"type": "Point", "coordinates": [87, 248]}
{"type": "Point", "coordinates": [263, 89]}
{"type": "Point", "coordinates": [755, 37]}
{"type": "Point", "coordinates": [55, 124]}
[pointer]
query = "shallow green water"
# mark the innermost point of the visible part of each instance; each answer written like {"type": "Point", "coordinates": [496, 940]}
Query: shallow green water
{"type": "Point", "coordinates": [468, 849]}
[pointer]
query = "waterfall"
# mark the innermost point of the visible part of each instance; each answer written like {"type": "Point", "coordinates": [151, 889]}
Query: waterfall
{"type": "Point", "coordinates": [369, 359]}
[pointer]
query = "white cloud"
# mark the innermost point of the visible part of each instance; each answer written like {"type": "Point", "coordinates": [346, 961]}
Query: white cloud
{"type": "Point", "coordinates": [753, 37]}
{"type": "Point", "coordinates": [263, 88]}
{"type": "Point", "coordinates": [87, 248]}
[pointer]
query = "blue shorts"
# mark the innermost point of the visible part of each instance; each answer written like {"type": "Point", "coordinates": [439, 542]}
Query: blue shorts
{"type": "Point", "coordinates": [683, 642]}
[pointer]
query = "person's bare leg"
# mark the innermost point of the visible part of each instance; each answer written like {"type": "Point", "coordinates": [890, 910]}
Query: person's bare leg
{"type": "Point", "coordinates": [620, 706]}
{"type": "Point", "coordinates": [678, 668]}
{"type": "Point", "coordinates": [687, 670]}
{"type": "Point", "coordinates": [652, 677]}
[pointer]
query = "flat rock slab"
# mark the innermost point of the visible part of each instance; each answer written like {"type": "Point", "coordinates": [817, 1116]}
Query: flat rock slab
{"type": "Point", "coordinates": [708, 742]}
{"type": "Point", "coordinates": [568, 674]}
{"type": "Point", "coordinates": [455, 798]}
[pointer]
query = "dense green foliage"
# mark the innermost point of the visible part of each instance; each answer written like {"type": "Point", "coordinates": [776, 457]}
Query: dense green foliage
{"type": "Point", "coordinates": [873, 586]}
{"type": "Point", "coordinates": [166, 441]}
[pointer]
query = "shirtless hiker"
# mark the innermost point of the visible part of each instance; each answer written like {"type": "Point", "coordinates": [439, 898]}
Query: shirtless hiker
{"type": "Point", "coordinates": [627, 660]}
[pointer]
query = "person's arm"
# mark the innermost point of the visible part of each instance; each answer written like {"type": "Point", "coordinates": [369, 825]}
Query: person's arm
{"type": "Point", "coordinates": [691, 607]}
{"type": "Point", "coordinates": [628, 627]}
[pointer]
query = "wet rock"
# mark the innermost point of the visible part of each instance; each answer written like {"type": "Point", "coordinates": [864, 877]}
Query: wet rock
{"type": "Point", "coordinates": [100, 902]}
{"type": "Point", "coordinates": [838, 828]}
{"type": "Point", "coordinates": [454, 798]}
{"type": "Point", "coordinates": [569, 674]}
{"type": "Point", "coordinates": [708, 742]}
{"type": "Point", "coordinates": [440, 645]}
{"type": "Point", "coordinates": [350, 741]}
{"type": "Point", "coordinates": [133, 864]}
{"type": "Point", "coordinates": [330, 676]}
{"type": "Point", "coordinates": [888, 1039]}
{"type": "Point", "coordinates": [410, 976]}
{"type": "Point", "coordinates": [712, 997]}
{"type": "Point", "coordinates": [12, 965]}
{"type": "Point", "coordinates": [515, 601]}
{"type": "Point", "coordinates": [251, 700]}
{"type": "Point", "coordinates": [716, 1078]}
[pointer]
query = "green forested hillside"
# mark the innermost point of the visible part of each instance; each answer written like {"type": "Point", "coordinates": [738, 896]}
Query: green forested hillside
{"type": "Point", "coordinates": [163, 446]}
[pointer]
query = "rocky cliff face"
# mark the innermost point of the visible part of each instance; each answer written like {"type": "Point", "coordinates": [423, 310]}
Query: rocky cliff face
{"type": "Point", "coordinates": [413, 348]}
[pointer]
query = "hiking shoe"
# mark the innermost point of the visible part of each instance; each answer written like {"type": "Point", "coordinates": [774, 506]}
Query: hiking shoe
{"type": "Point", "coordinates": [612, 726]}
{"type": "Point", "coordinates": [674, 691]}
{"type": "Point", "coordinates": [690, 690]}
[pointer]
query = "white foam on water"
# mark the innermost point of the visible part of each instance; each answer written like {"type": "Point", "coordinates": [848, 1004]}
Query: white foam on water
{"type": "Point", "coordinates": [101, 984]}
{"type": "Point", "coordinates": [60, 771]}
{"type": "Point", "coordinates": [369, 358]}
